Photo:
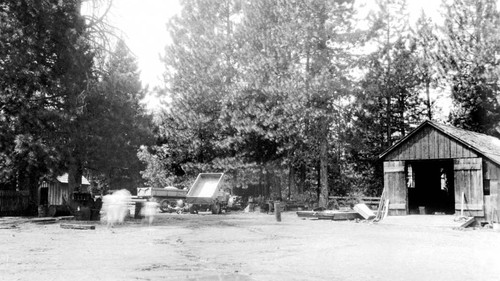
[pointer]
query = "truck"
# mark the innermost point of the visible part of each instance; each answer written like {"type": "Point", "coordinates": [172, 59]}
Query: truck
{"type": "Point", "coordinates": [205, 193]}
{"type": "Point", "coordinates": [166, 197]}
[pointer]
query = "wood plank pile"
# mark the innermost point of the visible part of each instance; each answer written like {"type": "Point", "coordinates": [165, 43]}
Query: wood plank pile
{"type": "Point", "coordinates": [77, 226]}
{"type": "Point", "coordinates": [361, 211]}
{"type": "Point", "coordinates": [330, 215]}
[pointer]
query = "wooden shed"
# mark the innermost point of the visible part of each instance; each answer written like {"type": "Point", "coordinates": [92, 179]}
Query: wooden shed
{"type": "Point", "coordinates": [52, 193]}
{"type": "Point", "coordinates": [442, 169]}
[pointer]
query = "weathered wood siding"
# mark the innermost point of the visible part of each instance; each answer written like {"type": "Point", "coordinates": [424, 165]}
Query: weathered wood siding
{"type": "Point", "coordinates": [491, 174]}
{"type": "Point", "coordinates": [429, 143]}
{"type": "Point", "coordinates": [395, 187]}
{"type": "Point", "coordinates": [468, 179]}
{"type": "Point", "coordinates": [56, 192]}
{"type": "Point", "coordinates": [13, 202]}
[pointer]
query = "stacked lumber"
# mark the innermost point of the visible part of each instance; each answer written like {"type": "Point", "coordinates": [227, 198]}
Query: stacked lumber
{"type": "Point", "coordinates": [361, 211]}
{"type": "Point", "coordinates": [77, 226]}
{"type": "Point", "coordinates": [330, 215]}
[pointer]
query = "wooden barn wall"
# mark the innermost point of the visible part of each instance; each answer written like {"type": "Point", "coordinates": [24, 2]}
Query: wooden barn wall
{"type": "Point", "coordinates": [491, 172]}
{"type": "Point", "coordinates": [468, 180]}
{"type": "Point", "coordinates": [429, 143]}
{"type": "Point", "coordinates": [57, 192]}
{"type": "Point", "coordinates": [395, 187]}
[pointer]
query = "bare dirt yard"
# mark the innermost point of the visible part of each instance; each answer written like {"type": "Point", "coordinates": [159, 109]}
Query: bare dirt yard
{"type": "Point", "coordinates": [248, 246]}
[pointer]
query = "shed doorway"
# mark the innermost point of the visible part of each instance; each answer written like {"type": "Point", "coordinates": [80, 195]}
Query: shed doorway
{"type": "Point", "coordinates": [430, 187]}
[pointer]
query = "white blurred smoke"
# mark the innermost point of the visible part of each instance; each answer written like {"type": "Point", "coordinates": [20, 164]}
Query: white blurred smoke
{"type": "Point", "coordinates": [149, 211]}
{"type": "Point", "coordinates": [115, 207]}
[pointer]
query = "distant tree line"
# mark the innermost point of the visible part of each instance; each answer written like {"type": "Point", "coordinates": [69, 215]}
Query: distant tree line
{"type": "Point", "coordinates": [69, 102]}
{"type": "Point", "coordinates": [300, 97]}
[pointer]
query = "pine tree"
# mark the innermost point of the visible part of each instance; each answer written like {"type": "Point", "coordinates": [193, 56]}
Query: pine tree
{"type": "Point", "coordinates": [46, 64]}
{"type": "Point", "coordinates": [116, 124]}
{"type": "Point", "coordinates": [388, 101]}
{"type": "Point", "coordinates": [467, 56]}
{"type": "Point", "coordinates": [425, 41]}
{"type": "Point", "coordinates": [199, 69]}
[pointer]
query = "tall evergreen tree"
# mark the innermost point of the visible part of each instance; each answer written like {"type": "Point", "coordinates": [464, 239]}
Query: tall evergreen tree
{"type": "Point", "coordinates": [46, 64]}
{"type": "Point", "coordinates": [425, 40]}
{"type": "Point", "coordinates": [468, 57]}
{"type": "Point", "coordinates": [388, 101]}
{"type": "Point", "coordinates": [116, 124]}
{"type": "Point", "coordinates": [199, 68]}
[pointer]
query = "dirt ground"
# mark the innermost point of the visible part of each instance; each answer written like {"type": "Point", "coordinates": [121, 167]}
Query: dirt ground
{"type": "Point", "coordinates": [249, 246]}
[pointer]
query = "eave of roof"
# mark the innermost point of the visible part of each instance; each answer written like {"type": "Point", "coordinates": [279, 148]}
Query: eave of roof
{"type": "Point", "coordinates": [64, 179]}
{"type": "Point", "coordinates": [485, 145]}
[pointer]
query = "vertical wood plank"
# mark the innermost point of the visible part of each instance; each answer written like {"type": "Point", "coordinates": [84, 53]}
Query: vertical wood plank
{"type": "Point", "coordinates": [446, 142]}
{"type": "Point", "coordinates": [394, 182]}
{"type": "Point", "coordinates": [441, 144]}
{"type": "Point", "coordinates": [431, 148]}
{"type": "Point", "coordinates": [418, 149]}
{"type": "Point", "coordinates": [413, 149]}
{"type": "Point", "coordinates": [405, 154]}
{"type": "Point", "coordinates": [468, 177]}
{"type": "Point", "coordinates": [453, 149]}
{"type": "Point", "coordinates": [424, 143]}
{"type": "Point", "coordinates": [459, 151]}
{"type": "Point", "coordinates": [466, 151]}
{"type": "Point", "coordinates": [434, 144]}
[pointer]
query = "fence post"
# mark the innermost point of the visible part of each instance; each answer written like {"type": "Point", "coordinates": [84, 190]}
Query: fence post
{"type": "Point", "coordinates": [277, 211]}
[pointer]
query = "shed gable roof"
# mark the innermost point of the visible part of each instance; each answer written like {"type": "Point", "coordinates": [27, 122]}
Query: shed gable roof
{"type": "Point", "coordinates": [486, 145]}
{"type": "Point", "coordinates": [64, 179]}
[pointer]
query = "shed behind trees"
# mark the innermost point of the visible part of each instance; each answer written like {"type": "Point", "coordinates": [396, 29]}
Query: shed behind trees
{"type": "Point", "coordinates": [432, 168]}
{"type": "Point", "coordinates": [53, 192]}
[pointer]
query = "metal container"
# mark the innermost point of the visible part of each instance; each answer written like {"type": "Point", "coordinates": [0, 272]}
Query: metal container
{"type": "Point", "coordinates": [205, 190]}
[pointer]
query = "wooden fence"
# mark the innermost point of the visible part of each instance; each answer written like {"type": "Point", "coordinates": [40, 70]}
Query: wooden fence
{"type": "Point", "coordinates": [13, 202]}
{"type": "Point", "coordinates": [371, 202]}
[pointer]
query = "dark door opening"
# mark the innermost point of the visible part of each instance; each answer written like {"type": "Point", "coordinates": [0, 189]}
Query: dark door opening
{"type": "Point", "coordinates": [430, 187]}
{"type": "Point", "coordinates": [44, 196]}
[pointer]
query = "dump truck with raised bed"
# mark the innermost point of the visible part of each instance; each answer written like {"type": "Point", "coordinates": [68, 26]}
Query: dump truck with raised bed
{"type": "Point", "coordinates": [166, 197]}
{"type": "Point", "coordinates": [206, 193]}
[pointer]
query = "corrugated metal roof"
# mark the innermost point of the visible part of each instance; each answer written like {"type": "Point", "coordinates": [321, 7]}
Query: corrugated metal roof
{"type": "Point", "coordinates": [64, 179]}
{"type": "Point", "coordinates": [486, 145]}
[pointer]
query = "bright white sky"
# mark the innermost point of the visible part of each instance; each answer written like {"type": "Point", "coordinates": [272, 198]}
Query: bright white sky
{"type": "Point", "coordinates": [143, 23]}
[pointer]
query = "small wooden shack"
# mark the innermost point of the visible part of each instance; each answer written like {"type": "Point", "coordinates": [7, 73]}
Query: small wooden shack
{"type": "Point", "coordinates": [442, 169]}
{"type": "Point", "coordinates": [52, 193]}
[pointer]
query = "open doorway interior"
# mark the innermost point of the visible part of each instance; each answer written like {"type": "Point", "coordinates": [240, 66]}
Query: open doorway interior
{"type": "Point", "coordinates": [44, 196]}
{"type": "Point", "coordinates": [430, 187]}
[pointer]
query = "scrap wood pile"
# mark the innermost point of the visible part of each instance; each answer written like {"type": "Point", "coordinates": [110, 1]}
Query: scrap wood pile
{"type": "Point", "coordinates": [13, 222]}
{"type": "Point", "coordinates": [359, 212]}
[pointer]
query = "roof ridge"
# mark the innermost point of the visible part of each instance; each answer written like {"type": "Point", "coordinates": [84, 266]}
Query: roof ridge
{"type": "Point", "coordinates": [461, 129]}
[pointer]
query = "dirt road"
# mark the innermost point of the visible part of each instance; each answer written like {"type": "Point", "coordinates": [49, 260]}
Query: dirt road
{"type": "Point", "coordinates": [242, 246]}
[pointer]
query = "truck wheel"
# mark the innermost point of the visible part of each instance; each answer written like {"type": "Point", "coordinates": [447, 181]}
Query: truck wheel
{"type": "Point", "coordinates": [193, 209]}
{"type": "Point", "coordinates": [164, 205]}
{"type": "Point", "coordinates": [216, 209]}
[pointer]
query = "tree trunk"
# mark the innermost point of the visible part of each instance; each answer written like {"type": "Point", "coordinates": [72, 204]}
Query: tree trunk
{"type": "Point", "coordinates": [323, 198]}
{"type": "Point", "coordinates": [427, 92]}
{"type": "Point", "coordinates": [277, 181]}
{"type": "Point", "coordinates": [292, 190]}
{"type": "Point", "coordinates": [302, 179]}
{"type": "Point", "coordinates": [74, 176]}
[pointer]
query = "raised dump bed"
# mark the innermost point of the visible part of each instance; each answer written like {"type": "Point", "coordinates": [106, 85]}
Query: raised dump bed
{"type": "Point", "coordinates": [205, 192]}
{"type": "Point", "coordinates": [161, 192]}
{"type": "Point", "coordinates": [167, 197]}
